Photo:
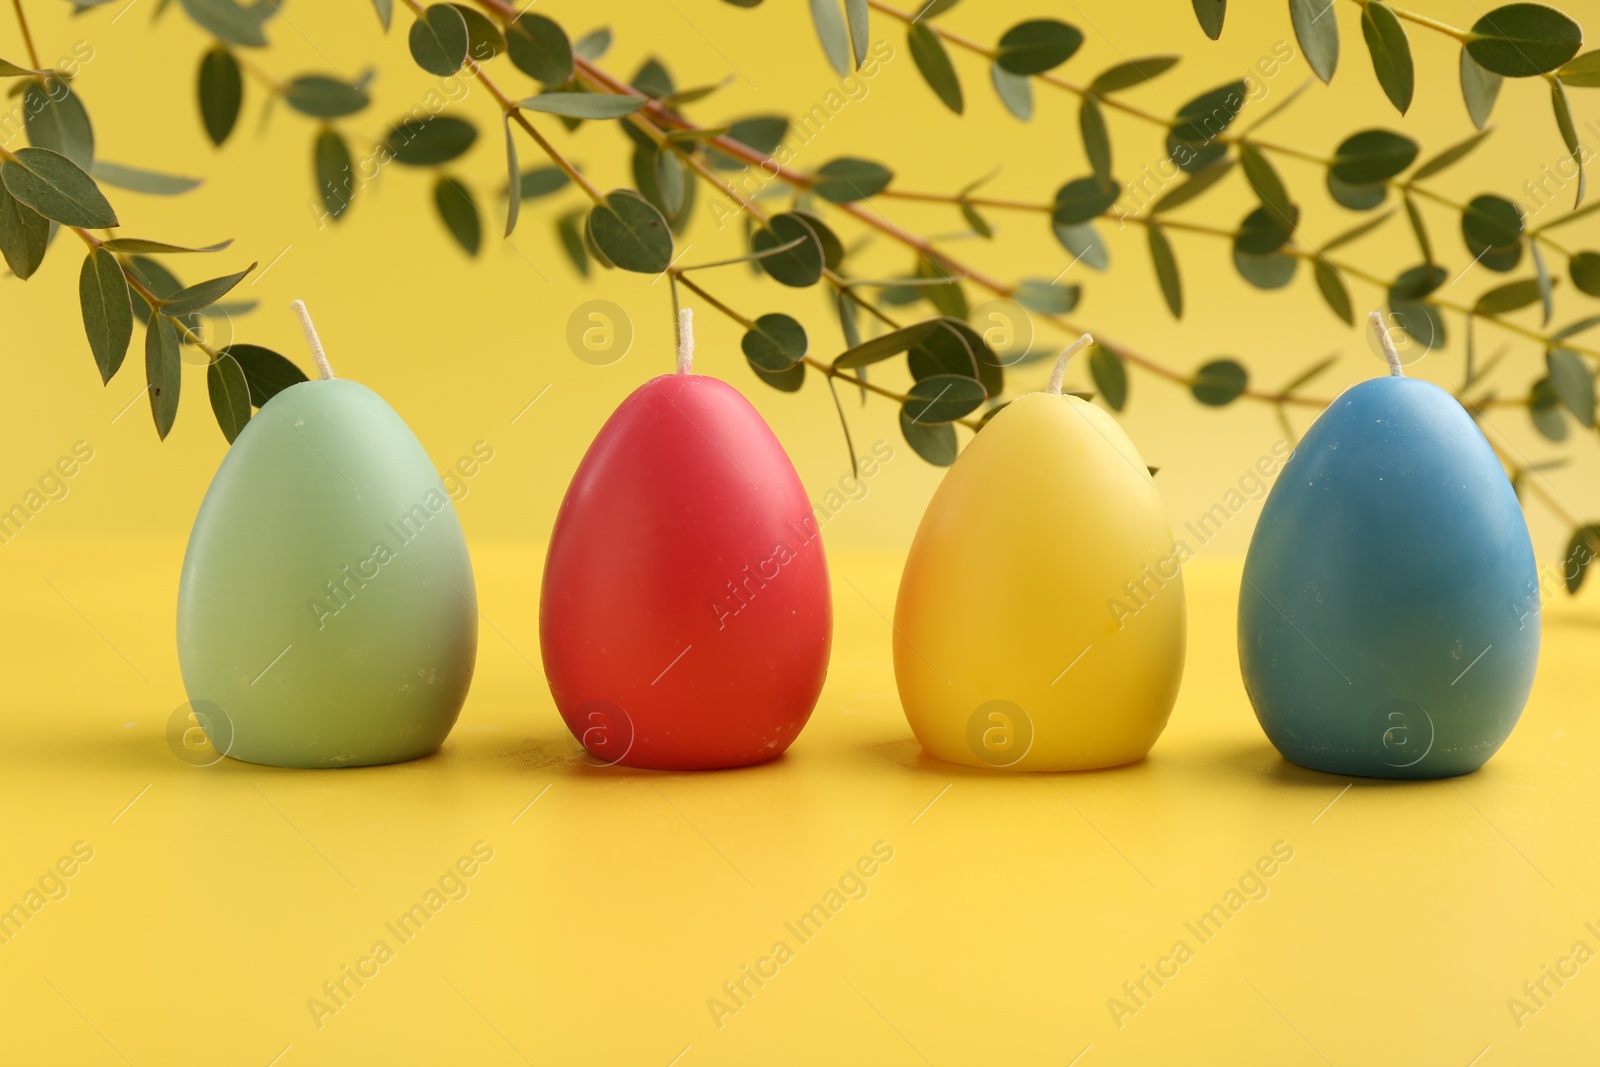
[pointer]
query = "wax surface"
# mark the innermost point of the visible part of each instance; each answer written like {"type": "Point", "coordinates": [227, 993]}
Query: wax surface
{"type": "Point", "coordinates": [327, 603]}
{"type": "Point", "coordinates": [1389, 613]}
{"type": "Point", "coordinates": [685, 618]}
{"type": "Point", "coordinates": [1017, 641]}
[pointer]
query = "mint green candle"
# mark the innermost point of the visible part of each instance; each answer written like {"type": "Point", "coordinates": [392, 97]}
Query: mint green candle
{"type": "Point", "coordinates": [326, 613]}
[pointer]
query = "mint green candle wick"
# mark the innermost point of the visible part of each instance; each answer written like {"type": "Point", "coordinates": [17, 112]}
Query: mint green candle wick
{"type": "Point", "coordinates": [324, 371]}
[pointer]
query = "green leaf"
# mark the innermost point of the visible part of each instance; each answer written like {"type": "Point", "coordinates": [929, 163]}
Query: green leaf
{"type": "Point", "coordinates": [775, 342]}
{"type": "Point", "coordinates": [1479, 89]}
{"type": "Point", "coordinates": [226, 21]}
{"type": "Point", "coordinates": [1210, 13]}
{"type": "Point", "coordinates": [1166, 265]}
{"type": "Point", "coordinates": [459, 213]}
{"type": "Point", "coordinates": [1546, 283]}
{"type": "Point", "coordinates": [1512, 296]}
{"type": "Point", "coordinates": [1414, 283]}
{"type": "Point", "coordinates": [24, 235]}
{"type": "Point", "coordinates": [1133, 72]}
{"type": "Point", "coordinates": [882, 347]}
{"type": "Point", "coordinates": [385, 9]}
{"type": "Point", "coordinates": [788, 381]}
{"type": "Point", "coordinates": [334, 170]}
{"type": "Point", "coordinates": [513, 182]}
{"type": "Point", "coordinates": [631, 233]}
{"type": "Point", "coordinates": [484, 39]}
{"type": "Point", "coordinates": [800, 266]}
{"type": "Point", "coordinates": [1372, 156]}
{"type": "Point", "coordinates": [929, 54]}
{"type": "Point", "coordinates": [430, 141]}
{"type": "Point", "coordinates": [1085, 244]}
{"type": "Point", "coordinates": [230, 395]}
{"type": "Point", "coordinates": [1524, 40]}
{"type": "Point", "coordinates": [1268, 186]}
{"type": "Point", "coordinates": [857, 14]}
{"type": "Point", "coordinates": [1585, 270]}
{"type": "Point", "coordinates": [832, 247]}
{"type": "Point", "coordinates": [1356, 197]}
{"type": "Point", "coordinates": [1450, 156]}
{"type": "Point", "coordinates": [1355, 233]}
{"type": "Point", "coordinates": [653, 80]}
{"type": "Point", "coordinates": [1197, 183]}
{"type": "Point", "coordinates": [935, 444]}
{"type": "Point", "coordinates": [56, 188]}
{"type": "Point", "coordinates": [202, 294]}
{"type": "Point", "coordinates": [1330, 283]}
{"type": "Point", "coordinates": [1015, 91]}
{"type": "Point", "coordinates": [1391, 53]}
{"type": "Point", "coordinates": [1493, 221]}
{"type": "Point", "coordinates": [956, 348]}
{"type": "Point", "coordinates": [1200, 120]}
{"type": "Point", "coordinates": [55, 119]}
{"type": "Point", "coordinates": [1272, 271]}
{"type": "Point", "coordinates": [1083, 199]}
{"type": "Point", "coordinates": [1421, 322]}
{"type": "Point", "coordinates": [1582, 549]}
{"type": "Point", "coordinates": [439, 40]}
{"type": "Point", "coordinates": [1262, 232]}
{"type": "Point", "coordinates": [1317, 30]}
{"type": "Point", "coordinates": [943, 398]}
{"type": "Point", "coordinates": [1544, 407]}
{"type": "Point", "coordinates": [539, 48]}
{"type": "Point", "coordinates": [267, 373]}
{"type": "Point", "coordinates": [1569, 134]}
{"type": "Point", "coordinates": [1110, 376]}
{"type": "Point", "coordinates": [107, 310]}
{"type": "Point", "coordinates": [1219, 382]}
{"type": "Point", "coordinates": [142, 181]}
{"type": "Point", "coordinates": [762, 134]}
{"type": "Point", "coordinates": [593, 45]}
{"type": "Point", "coordinates": [1582, 72]}
{"type": "Point", "coordinates": [1096, 140]}
{"type": "Point", "coordinates": [323, 97]}
{"type": "Point", "coordinates": [979, 224]}
{"type": "Point", "coordinates": [221, 92]}
{"type": "Point", "coordinates": [156, 278]}
{"type": "Point", "coordinates": [831, 30]}
{"type": "Point", "coordinates": [846, 179]}
{"type": "Point", "coordinates": [570, 229]}
{"type": "Point", "coordinates": [584, 105]}
{"type": "Point", "coordinates": [163, 371]}
{"type": "Point", "coordinates": [1418, 228]}
{"type": "Point", "coordinates": [1573, 329]}
{"type": "Point", "coordinates": [9, 69]}
{"type": "Point", "coordinates": [1572, 382]}
{"type": "Point", "coordinates": [1037, 45]}
{"type": "Point", "coordinates": [1037, 294]}
{"type": "Point", "coordinates": [542, 181]}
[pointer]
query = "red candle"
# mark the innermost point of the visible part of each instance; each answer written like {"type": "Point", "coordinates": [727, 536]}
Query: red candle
{"type": "Point", "coordinates": [685, 618]}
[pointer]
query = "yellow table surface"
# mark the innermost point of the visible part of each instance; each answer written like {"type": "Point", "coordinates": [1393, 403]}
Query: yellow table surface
{"type": "Point", "coordinates": [219, 900]}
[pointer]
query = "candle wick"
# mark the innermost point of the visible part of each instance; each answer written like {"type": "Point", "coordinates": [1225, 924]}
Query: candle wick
{"type": "Point", "coordinates": [685, 340]}
{"type": "Point", "coordinates": [1386, 343]}
{"type": "Point", "coordinates": [1061, 363]}
{"type": "Point", "coordinates": [324, 371]}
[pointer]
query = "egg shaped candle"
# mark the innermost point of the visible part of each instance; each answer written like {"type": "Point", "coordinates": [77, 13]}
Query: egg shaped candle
{"type": "Point", "coordinates": [685, 617]}
{"type": "Point", "coordinates": [1389, 613]}
{"type": "Point", "coordinates": [326, 611]}
{"type": "Point", "coordinates": [1040, 620]}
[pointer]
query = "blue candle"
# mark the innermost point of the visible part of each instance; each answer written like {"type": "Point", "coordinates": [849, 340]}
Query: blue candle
{"type": "Point", "coordinates": [1389, 614]}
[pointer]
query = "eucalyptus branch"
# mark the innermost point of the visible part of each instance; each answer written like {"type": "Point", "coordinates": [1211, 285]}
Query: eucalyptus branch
{"type": "Point", "coordinates": [27, 35]}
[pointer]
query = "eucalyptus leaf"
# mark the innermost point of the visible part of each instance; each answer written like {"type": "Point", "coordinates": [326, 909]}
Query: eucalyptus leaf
{"type": "Point", "coordinates": [1450, 156]}
{"type": "Point", "coordinates": [1133, 72]}
{"type": "Point", "coordinates": [139, 245]}
{"type": "Point", "coordinates": [833, 34]}
{"type": "Point", "coordinates": [593, 45]}
{"type": "Point", "coordinates": [943, 398]}
{"type": "Point", "coordinates": [1390, 51]}
{"type": "Point", "coordinates": [55, 118]}
{"type": "Point", "coordinates": [1572, 382]}
{"type": "Point", "coordinates": [56, 188]}
{"type": "Point", "coordinates": [385, 10]}
{"type": "Point", "coordinates": [1050, 298]}
{"type": "Point", "coordinates": [1546, 283]}
{"type": "Point", "coordinates": [1356, 197]}
{"type": "Point", "coordinates": [1263, 231]}
{"type": "Point", "coordinates": [1544, 407]}
{"type": "Point", "coordinates": [1524, 40]}
{"type": "Point", "coordinates": [1421, 322]}
{"type": "Point", "coordinates": [1582, 71]}
{"type": "Point", "coordinates": [1584, 267]}
{"type": "Point", "coordinates": [163, 371]}
{"type": "Point", "coordinates": [430, 141]}
{"type": "Point", "coordinates": [230, 395]}
{"type": "Point", "coordinates": [221, 92]}
{"type": "Point", "coordinates": [1569, 134]}
{"type": "Point", "coordinates": [513, 181]}
{"type": "Point", "coordinates": [539, 48]}
{"type": "Point", "coordinates": [438, 40]}
{"type": "Point", "coordinates": [484, 39]}
{"type": "Point", "coordinates": [202, 294]}
{"type": "Point", "coordinates": [787, 381]}
{"type": "Point", "coordinates": [1317, 30]}
{"type": "Point", "coordinates": [1015, 91]}
{"type": "Point", "coordinates": [1085, 244]}
{"type": "Point", "coordinates": [928, 53]}
{"type": "Point", "coordinates": [584, 105]}
{"type": "Point", "coordinates": [1414, 283]}
{"type": "Point", "coordinates": [1166, 265]}
{"type": "Point", "coordinates": [775, 342]}
{"type": "Point", "coordinates": [1372, 156]}
{"type": "Point", "coordinates": [107, 310]}
{"type": "Point", "coordinates": [1335, 293]}
{"type": "Point", "coordinates": [762, 134]}
{"type": "Point", "coordinates": [1272, 271]}
{"type": "Point", "coordinates": [1210, 14]}
{"type": "Point", "coordinates": [142, 181]}
{"type": "Point", "coordinates": [1355, 233]}
{"type": "Point", "coordinates": [799, 267]}
{"type": "Point", "coordinates": [459, 213]}
{"type": "Point", "coordinates": [1219, 382]}
{"type": "Point", "coordinates": [935, 444]}
{"type": "Point", "coordinates": [1037, 45]}
{"type": "Point", "coordinates": [844, 180]}
{"type": "Point", "coordinates": [1479, 89]}
{"type": "Point", "coordinates": [1083, 199]}
{"type": "Point", "coordinates": [857, 14]}
{"type": "Point", "coordinates": [24, 235]}
{"type": "Point", "coordinates": [324, 97]}
{"type": "Point", "coordinates": [1269, 187]}
{"type": "Point", "coordinates": [266, 372]}
{"type": "Point", "coordinates": [1110, 376]}
{"type": "Point", "coordinates": [1202, 119]}
{"type": "Point", "coordinates": [570, 230]}
{"type": "Point", "coordinates": [1512, 296]}
{"type": "Point", "coordinates": [1492, 220]}
{"type": "Point", "coordinates": [9, 69]}
{"type": "Point", "coordinates": [1419, 228]}
{"type": "Point", "coordinates": [886, 345]}
{"type": "Point", "coordinates": [227, 21]}
{"type": "Point", "coordinates": [1096, 139]}
{"type": "Point", "coordinates": [1193, 186]}
{"type": "Point", "coordinates": [631, 233]}
{"type": "Point", "coordinates": [334, 170]}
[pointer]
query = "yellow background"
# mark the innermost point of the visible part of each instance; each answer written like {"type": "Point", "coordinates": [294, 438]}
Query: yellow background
{"type": "Point", "coordinates": [221, 899]}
